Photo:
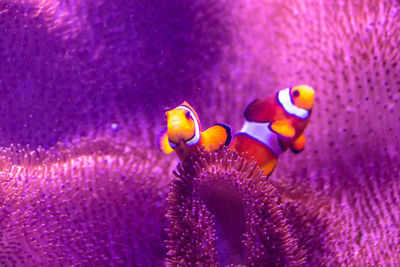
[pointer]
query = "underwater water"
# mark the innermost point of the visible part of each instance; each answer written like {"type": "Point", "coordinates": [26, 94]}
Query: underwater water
{"type": "Point", "coordinates": [84, 86]}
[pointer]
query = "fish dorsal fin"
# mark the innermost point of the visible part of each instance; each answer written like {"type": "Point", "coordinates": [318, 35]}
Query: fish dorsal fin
{"type": "Point", "coordinates": [261, 110]}
{"type": "Point", "coordinates": [216, 137]}
{"type": "Point", "coordinates": [298, 145]}
{"type": "Point", "coordinates": [283, 128]}
{"type": "Point", "coordinates": [164, 144]}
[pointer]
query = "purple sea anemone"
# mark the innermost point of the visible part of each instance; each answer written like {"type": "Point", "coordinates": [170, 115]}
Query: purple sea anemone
{"type": "Point", "coordinates": [93, 203]}
{"type": "Point", "coordinates": [226, 212]}
{"type": "Point", "coordinates": [81, 71]}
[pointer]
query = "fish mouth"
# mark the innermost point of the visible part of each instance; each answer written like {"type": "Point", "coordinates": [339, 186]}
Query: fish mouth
{"type": "Point", "coordinates": [176, 143]}
{"type": "Point", "coordinates": [172, 142]}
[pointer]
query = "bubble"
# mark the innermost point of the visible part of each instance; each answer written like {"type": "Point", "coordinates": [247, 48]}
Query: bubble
{"type": "Point", "coordinates": [115, 127]}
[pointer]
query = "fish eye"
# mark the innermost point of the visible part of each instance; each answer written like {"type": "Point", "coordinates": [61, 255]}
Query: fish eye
{"type": "Point", "coordinates": [296, 93]}
{"type": "Point", "coordinates": [187, 114]}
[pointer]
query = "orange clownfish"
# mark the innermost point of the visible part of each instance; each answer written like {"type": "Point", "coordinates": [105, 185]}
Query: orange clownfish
{"type": "Point", "coordinates": [274, 124]}
{"type": "Point", "coordinates": [184, 133]}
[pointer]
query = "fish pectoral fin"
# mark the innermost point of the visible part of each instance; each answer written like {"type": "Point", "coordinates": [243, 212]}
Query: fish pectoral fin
{"type": "Point", "coordinates": [298, 145]}
{"type": "Point", "coordinates": [216, 137]}
{"type": "Point", "coordinates": [164, 144]}
{"type": "Point", "coordinates": [283, 128]}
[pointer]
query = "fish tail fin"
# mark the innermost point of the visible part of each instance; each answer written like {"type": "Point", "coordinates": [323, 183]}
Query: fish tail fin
{"type": "Point", "coordinates": [164, 144]}
{"type": "Point", "coordinates": [216, 136]}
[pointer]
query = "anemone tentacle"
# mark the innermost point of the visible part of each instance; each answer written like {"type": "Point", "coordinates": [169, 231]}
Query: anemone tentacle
{"type": "Point", "coordinates": [94, 202]}
{"type": "Point", "coordinates": [239, 215]}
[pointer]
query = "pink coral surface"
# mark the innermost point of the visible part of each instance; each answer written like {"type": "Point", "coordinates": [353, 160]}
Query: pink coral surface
{"type": "Point", "coordinates": [105, 70]}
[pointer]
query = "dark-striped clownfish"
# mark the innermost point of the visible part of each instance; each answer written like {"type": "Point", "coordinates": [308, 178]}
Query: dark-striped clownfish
{"type": "Point", "coordinates": [274, 124]}
{"type": "Point", "coordinates": [184, 134]}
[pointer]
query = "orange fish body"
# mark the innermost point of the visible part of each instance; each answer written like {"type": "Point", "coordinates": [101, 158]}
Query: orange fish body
{"type": "Point", "coordinates": [275, 124]}
{"type": "Point", "coordinates": [184, 133]}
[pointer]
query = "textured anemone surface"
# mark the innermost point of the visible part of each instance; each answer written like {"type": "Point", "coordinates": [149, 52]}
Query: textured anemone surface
{"type": "Point", "coordinates": [107, 68]}
{"type": "Point", "coordinates": [97, 202]}
{"type": "Point", "coordinates": [349, 52]}
{"type": "Point", "coordinates": [224, 211]}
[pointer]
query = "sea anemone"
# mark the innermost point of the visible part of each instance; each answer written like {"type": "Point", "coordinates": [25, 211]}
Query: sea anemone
{"type": "Point", "coordinates": [225, 211]}
{"type": "Point", "coordinates": [96, 202]}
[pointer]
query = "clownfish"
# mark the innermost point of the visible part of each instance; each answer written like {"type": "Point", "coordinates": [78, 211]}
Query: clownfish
{"type": "Point", "coordinates": [274, 124]}
{"type": "Point", "coordinates": [184, 134]}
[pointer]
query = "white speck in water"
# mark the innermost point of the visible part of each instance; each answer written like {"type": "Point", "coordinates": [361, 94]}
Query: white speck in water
{"type": "Point", "coordinates": [115, 127]}
{"type": "Point", "coordinates": [394, 11]}
{"type": "Point", "coordinates": [392, 151]}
